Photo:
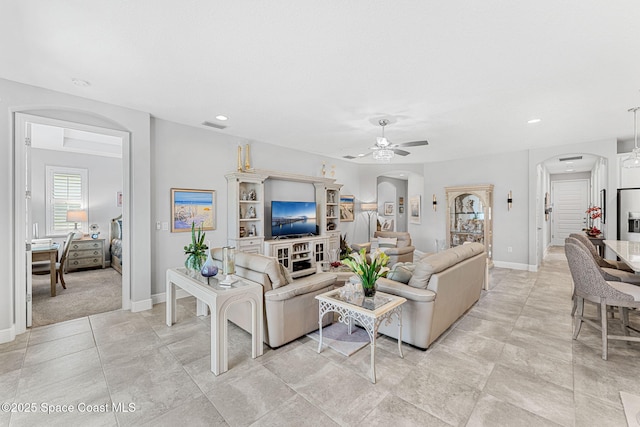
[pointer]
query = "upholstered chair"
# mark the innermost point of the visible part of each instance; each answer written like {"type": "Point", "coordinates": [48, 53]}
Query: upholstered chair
{"type": "Point", "coordinates": [611, 270]}
{"type": "Point", "coordinates": [604, 263]}
{"type": "Point", "coordinates": [396, 244]}
{"type": "Point", "coordinates": [589, 285]}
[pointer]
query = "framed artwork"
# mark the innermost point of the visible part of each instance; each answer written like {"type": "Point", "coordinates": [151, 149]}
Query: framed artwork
{"type": "Point", "coordinates": [119, 199]}
{"type": "Point", "coordinates": [603, 205]}
{"type": "Point", "coordinates": [192, 207]}
{"type": "Point", "coordinates": [547, 206]}
{"type": "Point", "coordinates": [414, 210]}
{"type": "Point", "coordinates": [389, 208]}
{"type": "Point", "coordinates": [346, 208]}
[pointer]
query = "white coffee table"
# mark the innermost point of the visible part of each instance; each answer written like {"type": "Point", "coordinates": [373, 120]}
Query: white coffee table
{"type": "Point", "coordinates": [218, 298]}
{"type": "Point", "coordinates": [368, 312]}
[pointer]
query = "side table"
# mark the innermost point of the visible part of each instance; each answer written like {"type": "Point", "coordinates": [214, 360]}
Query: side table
{"type": "Point", "coordinates": [369, 312]}
{"type": "Point", "coordinates": [218, 298]}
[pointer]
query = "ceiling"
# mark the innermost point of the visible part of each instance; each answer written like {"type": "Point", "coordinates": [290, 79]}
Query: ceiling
{"type": "Point", "coordinates": [316, 76]}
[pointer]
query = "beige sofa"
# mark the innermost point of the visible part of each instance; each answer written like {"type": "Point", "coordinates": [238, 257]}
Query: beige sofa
{"type": "Point", "coordinates": [403, 252]}
{"type": "Point", "coordinates": [442, 288]}
{"type": "Point", "coordinates": [290, 307]}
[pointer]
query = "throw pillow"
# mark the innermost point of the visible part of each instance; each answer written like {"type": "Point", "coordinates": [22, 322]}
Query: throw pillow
{"type": "Point", "coordinates": [286, 274]}
{"type": "Point", "coordinates": [401, 272]}
{"type": "Point", "coordinates": [387, 242]}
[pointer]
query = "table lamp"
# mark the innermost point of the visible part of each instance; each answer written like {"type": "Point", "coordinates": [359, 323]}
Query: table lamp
{"type": "Point", "coordinates": [228, 265]}
{"type": "Point", "coordinates": [76, 216]}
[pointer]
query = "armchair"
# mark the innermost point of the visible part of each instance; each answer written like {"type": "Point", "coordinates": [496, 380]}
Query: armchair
{"type": "Point", "coordinates": [402, 252]}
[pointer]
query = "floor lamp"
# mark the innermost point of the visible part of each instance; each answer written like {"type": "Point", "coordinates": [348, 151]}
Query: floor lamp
{"type": "Point", "coordinates": [370, 209]}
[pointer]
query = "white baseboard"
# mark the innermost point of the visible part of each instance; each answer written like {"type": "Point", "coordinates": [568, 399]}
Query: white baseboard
{"type": "Point", "coordinates": [513, 265]}
{"type": "Point", "coordinates": [8, 335]}
{"type": "Point", "coordinates": [158, 298]}
{"type": "Point", "coordinates": [143, 305]}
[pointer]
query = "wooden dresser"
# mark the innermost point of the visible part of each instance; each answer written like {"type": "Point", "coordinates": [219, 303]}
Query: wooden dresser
{"type": "Point", "coordinates": [85, 253]}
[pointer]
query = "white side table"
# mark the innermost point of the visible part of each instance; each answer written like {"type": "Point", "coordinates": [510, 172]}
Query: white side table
{"type": "Point", "coordinates": [369, 312]}
{"type": "Point", "coordinates": [218, 299]}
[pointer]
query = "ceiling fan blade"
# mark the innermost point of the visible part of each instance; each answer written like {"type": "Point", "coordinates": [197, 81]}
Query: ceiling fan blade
{"type": "Point", "coordinates": [401, 152]}
{"type": "Point", "coordinates": [414, 143]}
{"type": "Point", "coordinates": [350, 157]}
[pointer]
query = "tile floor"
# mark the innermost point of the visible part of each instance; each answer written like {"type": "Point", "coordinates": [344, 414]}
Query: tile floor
{"type": "Point", "coordinates": [510, 361]}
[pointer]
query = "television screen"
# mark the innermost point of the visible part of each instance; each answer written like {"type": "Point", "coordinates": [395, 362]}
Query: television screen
{"type": "Point", "coordinates": [293, 218]}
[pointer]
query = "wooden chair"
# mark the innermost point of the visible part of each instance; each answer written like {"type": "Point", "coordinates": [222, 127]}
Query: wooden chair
{"type": "Point", "coordinates": [590, 285]}
{"type": "Point", "coordinates": [63, 259]}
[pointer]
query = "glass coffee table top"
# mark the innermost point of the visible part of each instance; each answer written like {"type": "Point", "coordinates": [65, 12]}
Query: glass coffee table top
{"type": "Point", "coordinates": [359, 300]}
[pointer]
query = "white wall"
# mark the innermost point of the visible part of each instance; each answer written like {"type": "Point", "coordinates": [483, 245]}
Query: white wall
{"type": "Point", "coordinates": [16, 97]}
{"type": "Point", "coordinates": [104, 180]}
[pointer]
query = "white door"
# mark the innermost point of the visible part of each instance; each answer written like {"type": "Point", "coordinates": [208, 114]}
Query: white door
{"type": "Point", "coordinates": [570, 200]}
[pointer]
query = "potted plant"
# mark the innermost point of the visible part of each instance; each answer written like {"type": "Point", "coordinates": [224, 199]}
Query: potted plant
{"type": "Point", "coordinates": [593, 213]}
{"type": "Point", "coordinates": [368, 271]}
{"type": "Point", "coordinates": [196, 250]}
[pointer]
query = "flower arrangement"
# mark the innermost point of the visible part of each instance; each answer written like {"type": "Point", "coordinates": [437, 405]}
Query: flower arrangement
{"type": "Point", "coordinates": [368, 272]}
{"type": "Point", "coordinates": [593, 213]}
{"type": "Point", "coordinates": [195, 251]}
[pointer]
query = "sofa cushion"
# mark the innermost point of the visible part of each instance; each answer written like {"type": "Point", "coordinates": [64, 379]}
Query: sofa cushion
{"type": "Point", "coordinates": [255, 267]}
{"type": "Point", "coordinates": [286, 274]}
{"type": "Point", "coordinates": [387, 242]}
{"type": "Point", "coordinates": [401, 272]}
{"type": "Point", "coordinates": [301, 286]}
{"type": "Point", "coordinates": [441, 261]}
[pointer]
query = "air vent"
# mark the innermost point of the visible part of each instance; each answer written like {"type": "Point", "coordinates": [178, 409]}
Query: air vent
{"type": "Point", "coordinates": [349, 157]}
{"type": "Point", "coordinates": [213, 125]}
{"type": "Point", "coordinates": [566, 159]}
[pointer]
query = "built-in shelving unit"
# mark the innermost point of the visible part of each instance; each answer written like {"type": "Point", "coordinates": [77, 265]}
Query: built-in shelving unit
{"type": "Point", "coordinates": [300, 255]}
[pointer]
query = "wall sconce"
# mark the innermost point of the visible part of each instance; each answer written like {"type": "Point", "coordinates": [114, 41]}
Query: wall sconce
{"type": "Point", "coordinates": [435, 202]}
{"type": "Point", "coordinates": [509, 201]}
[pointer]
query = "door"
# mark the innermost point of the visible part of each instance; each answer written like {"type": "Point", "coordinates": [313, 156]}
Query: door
{"type": "Point", "coordinates": [570, 201]}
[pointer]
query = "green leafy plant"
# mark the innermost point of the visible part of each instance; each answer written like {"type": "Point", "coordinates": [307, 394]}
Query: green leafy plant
{"type": "Point", "coordinates": [196, 250]}
{"type": "Point", "coordinates": [368, 271]}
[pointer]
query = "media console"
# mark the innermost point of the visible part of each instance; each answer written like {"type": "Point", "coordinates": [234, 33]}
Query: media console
{"type": "Point", "coordinates": [298, 255]}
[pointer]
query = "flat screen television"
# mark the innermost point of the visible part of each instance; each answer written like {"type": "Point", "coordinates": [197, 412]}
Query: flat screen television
{"type": "Point", "coordinates": [293, 218]}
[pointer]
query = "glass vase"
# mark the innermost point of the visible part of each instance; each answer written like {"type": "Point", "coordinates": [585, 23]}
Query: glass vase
{"type": "Point", "coordinates": [209, 269]}
{"type": "Point", "coordinates": [194, 262]}
{"type": "Point", "coordinates": [369, 289]}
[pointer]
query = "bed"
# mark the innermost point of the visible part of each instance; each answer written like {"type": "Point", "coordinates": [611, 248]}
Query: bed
{"type": "Point", "coordinates": [115, 243]}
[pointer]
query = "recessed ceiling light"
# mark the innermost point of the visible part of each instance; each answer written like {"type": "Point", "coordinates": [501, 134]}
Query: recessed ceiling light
{"type": "Point", "coordinates": [532, 121]}
{"type": "Point", "coordinates": [360, 155]}
{"type": "Point", "coordinates": [570, 170]}
{"type": "Point", "coordinates": [221, 117]}
{"type": "Point", "coordinates": [80, 82]}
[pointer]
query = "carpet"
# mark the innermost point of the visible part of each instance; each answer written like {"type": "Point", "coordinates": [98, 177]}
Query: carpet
{"type": "Point", "coordinates": [631, 405]}
{"type": "Point", "coordinates": [336, 337]}
{"type": "Point", "coordinates": [88, 292]}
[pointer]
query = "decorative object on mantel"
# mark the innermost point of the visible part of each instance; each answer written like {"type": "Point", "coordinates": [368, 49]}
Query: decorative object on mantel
{"type": "Point", "coordinates": [324, 169]}
{"type": "Point", "coordinates": [247, 160]}
{"type": "Point", "coordinates": [239, 158]}
{"type": "Point", "coordinates": [633, 161]}
{"type": "Point", "coordinates": [593, 213]}
{"type": "Point", "coordinates": [209, 269]}
{"type": "Point", "coordinates": [509, 200]}
{"type": "Point", "coordinates": [368, 272]}
{"type": "Point", "coordinates": [195, 251]}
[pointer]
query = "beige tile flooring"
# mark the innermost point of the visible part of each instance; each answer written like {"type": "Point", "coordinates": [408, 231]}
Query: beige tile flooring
{"type": "Point", "coordinates": [510, 361]}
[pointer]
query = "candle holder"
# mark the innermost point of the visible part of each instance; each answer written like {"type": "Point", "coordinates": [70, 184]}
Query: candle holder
{"type": "Point", "coordinates": [228, 266]}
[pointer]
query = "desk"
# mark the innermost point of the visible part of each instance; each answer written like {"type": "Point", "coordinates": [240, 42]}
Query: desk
{"type": "Point", "coordinates": [47, 254]}
{"type": "Point", "coordinates": [629, 252]}
{"type": "Point", "coordinates": [218, 298]}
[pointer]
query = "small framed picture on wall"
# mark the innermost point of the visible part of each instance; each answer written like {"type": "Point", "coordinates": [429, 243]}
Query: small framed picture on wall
{"type": "Point", "coordinates": [389, 208]}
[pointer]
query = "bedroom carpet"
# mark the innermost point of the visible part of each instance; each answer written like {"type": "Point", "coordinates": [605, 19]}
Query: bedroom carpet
{"type": "Point", "coordinates": [88, 292]}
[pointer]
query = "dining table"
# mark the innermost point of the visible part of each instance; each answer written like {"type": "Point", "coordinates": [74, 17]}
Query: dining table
{"type": "Point", "coordinates": [47, 253]}
{"type": "Point", "coordinates": [628, 252]}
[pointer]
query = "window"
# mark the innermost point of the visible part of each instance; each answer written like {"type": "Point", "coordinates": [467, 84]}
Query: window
{"type": "Point", "coordinates": [66, 189]}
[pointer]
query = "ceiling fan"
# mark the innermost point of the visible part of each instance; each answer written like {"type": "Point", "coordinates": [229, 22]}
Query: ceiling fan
{"type": "Point", "coordinates": [384, 150]}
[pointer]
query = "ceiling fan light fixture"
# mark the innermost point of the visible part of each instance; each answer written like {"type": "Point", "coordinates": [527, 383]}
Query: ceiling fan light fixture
{"type": "Point", "coordinates": [383, 155]}
{"type": "Point", "coordinates": [633, 161]}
